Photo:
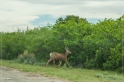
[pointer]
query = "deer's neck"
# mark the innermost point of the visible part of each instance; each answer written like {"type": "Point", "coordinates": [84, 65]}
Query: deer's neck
{"type": "Point", "coordinates": [66, 53]}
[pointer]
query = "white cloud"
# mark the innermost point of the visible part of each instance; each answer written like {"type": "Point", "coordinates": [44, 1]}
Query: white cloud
{"type": "Point", "coordinates": [20, 13]}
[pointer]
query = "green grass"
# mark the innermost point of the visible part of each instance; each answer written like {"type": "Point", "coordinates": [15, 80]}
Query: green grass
{"type": "Point", "coordinates": [72, 74]}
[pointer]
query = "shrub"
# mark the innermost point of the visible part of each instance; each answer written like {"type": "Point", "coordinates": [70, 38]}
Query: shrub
{"type": "Point", "coordinates": [90, 63]}
{"type": "Point", "coordinates": [120, 70]}
{"type": "Point", "coordinates": [26, 58]}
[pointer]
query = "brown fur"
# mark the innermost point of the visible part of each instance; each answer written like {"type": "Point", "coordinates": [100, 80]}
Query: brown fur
{"type": "Point", "coordinates": [59, 56]}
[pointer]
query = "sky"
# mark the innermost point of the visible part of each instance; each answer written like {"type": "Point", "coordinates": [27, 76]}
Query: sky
{"type": "Point", "coordinates": [16, 14]}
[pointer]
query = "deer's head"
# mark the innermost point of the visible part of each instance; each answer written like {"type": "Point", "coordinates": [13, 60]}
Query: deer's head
{"type": "Point", "coordinates": [67, 50]}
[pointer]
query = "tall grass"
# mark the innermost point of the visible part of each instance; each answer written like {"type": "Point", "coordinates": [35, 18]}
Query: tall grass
{"type": "Point", "coordinates": [72, 74]}
{"type": "Point", "coordinates": [26, 58]}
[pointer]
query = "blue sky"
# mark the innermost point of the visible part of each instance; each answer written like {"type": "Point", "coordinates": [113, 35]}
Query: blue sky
{"type": "Point", "coordinates": [16, 14]}
{"type": "Point", "coordinates": [43, 20]}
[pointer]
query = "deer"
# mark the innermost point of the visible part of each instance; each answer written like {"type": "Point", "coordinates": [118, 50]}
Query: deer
{"type": "Point", "coordinates": [59, 56]}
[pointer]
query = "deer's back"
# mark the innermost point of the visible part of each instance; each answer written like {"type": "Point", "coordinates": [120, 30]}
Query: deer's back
{"type": "Point", "coordinates": [57, 56]}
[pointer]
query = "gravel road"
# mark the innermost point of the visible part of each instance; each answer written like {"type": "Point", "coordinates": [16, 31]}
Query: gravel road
{"type": "Point", "coordinates": [13, 75]}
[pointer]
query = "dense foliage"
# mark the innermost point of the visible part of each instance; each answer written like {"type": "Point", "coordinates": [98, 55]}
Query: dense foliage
{"type": "Point", "coordinates": [99, 45]}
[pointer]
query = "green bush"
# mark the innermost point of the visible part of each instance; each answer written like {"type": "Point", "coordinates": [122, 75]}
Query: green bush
{"type": "Point", "coordinates": [120, 70]}
{"type": "Point", "coordinates": [89, 63]}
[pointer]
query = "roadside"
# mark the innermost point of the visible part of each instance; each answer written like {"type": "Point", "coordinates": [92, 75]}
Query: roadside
{"type": "Point", "coordinates": [13, 75]}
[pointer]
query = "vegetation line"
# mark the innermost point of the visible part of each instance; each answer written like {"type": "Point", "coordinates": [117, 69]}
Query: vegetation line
{"type": "Point", "coordinates": [92, 46]}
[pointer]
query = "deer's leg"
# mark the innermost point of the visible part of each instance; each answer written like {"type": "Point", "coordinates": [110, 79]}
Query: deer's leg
{"type": "Point", "coordinates": [66, 61]}
{"type": "Point", "coordinates": [60, 62]}
{"type": "Point", "coordinates": [48, 62]}
{"type": "Point", "coordinates": [54, 63]}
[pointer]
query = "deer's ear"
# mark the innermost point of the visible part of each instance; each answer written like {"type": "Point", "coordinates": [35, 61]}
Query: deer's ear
{"type": "Point", "coordinates": [66, 48]}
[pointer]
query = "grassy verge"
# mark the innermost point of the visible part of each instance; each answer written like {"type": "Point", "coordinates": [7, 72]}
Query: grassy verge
{"type": "Point", "coordinates": [72, 74]}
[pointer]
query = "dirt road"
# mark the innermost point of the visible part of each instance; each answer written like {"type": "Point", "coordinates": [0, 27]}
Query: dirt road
{"type": "Point", "coordinates": [12, 75]}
